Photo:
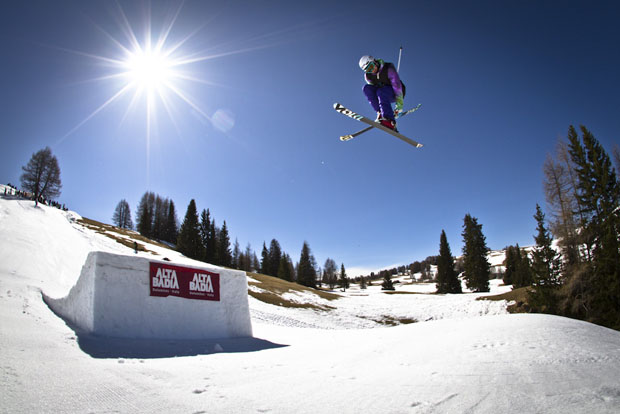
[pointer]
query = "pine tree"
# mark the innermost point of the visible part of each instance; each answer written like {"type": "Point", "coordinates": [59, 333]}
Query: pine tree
{"type": "Point", "coordinates": [275, 255]}
{"type": "Point", "coordinates": [387, 281]}
{"type": "Point", "coordinates": [212, 249]}
{"type": "Point", "coordinates": [189, 242]}
{"type": "Point", "coordinates": [306, 273]}
{"type": "Point", "coordinates": [477, 267]}
{"type": "Point", "coordinates": [264, 264]}
{"type": "Point", "coordinates": [343, 280]}
{"type": "Point", "coordinates": [597, 284]}
{"type": "Point", "coordinates": [146, 211]}
{"type": "Point", "coordinates": [122, 215]}
{"type": "Point", "coordinates": [172, 227]}
{"type": "Point", "coordinates": [545, 260]}
{"type": "Point", "coordinates": [362, 282]}
{"type": "Point", "coordinates": [224, 253]}
{"type": "Point", "coordinates": [205, 231]}
{"type": "Point", "coordinates": [285, 269]}
{"type": "Point", "coordinates": [545, 267]}
{"type": "Point", "coordinates": [447, 279]}
{"type": "Point", "coordinates": [510, 264]}
{"type": "Point", "coordinates": [518, 267]}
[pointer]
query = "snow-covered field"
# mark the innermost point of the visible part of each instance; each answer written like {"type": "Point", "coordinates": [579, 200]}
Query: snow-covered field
{"type": "Point", "coordinates": [463, 355]}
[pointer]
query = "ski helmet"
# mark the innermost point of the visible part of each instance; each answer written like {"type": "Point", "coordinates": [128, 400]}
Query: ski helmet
{"type": "Point", "coordinates": [367, 63]}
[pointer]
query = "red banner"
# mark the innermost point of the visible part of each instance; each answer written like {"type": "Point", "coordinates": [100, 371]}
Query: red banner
{"type": "Point", "coordinates": [184, 282]}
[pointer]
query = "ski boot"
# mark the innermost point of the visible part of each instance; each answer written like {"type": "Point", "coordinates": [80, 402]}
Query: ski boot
{"type": "Point", "coordinates": [388, 123]}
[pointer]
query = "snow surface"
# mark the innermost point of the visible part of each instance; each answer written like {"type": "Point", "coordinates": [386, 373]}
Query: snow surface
{"type": "Point", "coordinates": [469, 357]}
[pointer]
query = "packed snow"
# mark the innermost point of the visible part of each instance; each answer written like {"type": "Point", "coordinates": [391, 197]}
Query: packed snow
{"type": "Point", "coordinates": [132, 297]}
{"type": "Point", "coordinates": [342, 356]}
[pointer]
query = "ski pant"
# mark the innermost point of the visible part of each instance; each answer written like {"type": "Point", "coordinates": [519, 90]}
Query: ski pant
{"type": "Point", "coordinates": [381, 99]}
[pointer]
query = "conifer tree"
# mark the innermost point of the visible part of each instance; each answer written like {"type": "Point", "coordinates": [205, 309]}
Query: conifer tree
{"type": "Point", "coordinates": [363, 283]}
{"type": "Point", "coordinates": [146, 211]}
{"type": "Point", "coordinates": [160, 214]}
{"type": "Point", "coordinates": [510, 264]}
{"type": "Point", "coordinates": [172, 228]}
{"type": "Point", "coordinates": [264, 264]}
{"type": "Point", "coordinates": [285, 269]}
{"type": "Point", "coordinates": [343, 280]}
{"type": "Point", "coordinates": [477, 267]}
{"type": "Point", "coordinates": [387, 281]}
{"type": "Point", "coordinates": [306, 273]}
{"type": "Point", "coordinates": [189, 242]}
{"type": "Point", "coordinates": [545, 260]}
{"type": "Point", "coordinates": [447, 279]}
{"type": "Point", "coordinates": [212, 248]}
{"type": "Point", "coordinates": [205, 232]}
{"type": "Point", "coordinates": [545, 267]}
{"type": "Point", "coordinates": [275, 255]}
{"type": "Point", "coordinates": [225, 255]}
{"type": "Point", "coordinates": [518, 267]}
{"type": "Point", "coordinates": [596, 285]}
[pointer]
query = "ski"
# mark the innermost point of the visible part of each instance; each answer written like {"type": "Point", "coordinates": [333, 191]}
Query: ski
{"type": "Point", "coordinates": [360, 132]}
{"type": "Point", "coordinates": [345, 111]}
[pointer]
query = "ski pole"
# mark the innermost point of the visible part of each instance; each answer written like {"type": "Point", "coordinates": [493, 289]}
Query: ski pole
{"type": "Point", "coordinates": [400, 52]}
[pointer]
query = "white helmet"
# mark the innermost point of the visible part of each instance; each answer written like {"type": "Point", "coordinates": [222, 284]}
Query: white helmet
{"type": "Point", "coordinates": [367, 62]}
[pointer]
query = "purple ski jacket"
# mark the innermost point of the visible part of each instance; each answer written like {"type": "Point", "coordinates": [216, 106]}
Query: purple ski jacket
{"type": "Point", "coordinates": [387, 75]}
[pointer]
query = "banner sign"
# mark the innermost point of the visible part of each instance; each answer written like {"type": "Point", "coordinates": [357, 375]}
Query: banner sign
{"type": "Point", "coordinates": [184, 282]}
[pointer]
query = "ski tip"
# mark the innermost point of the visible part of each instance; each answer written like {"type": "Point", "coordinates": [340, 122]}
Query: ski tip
{"type": "Point", "coordinates": [346, 137]}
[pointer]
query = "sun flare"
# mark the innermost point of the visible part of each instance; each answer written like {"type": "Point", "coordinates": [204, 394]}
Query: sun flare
{"type": "Point", "coordinates": [149, 69]}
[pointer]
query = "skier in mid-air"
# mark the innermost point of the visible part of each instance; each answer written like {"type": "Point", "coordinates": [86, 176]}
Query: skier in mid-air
{"type": "Point", "coordinates": [383, 87]}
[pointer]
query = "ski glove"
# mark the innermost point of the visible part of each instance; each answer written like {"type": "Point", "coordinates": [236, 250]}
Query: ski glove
{"type": "Point", "coordinates": [399, 105]}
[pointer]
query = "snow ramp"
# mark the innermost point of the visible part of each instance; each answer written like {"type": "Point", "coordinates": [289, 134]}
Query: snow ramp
{"type": "Point", "coordinates": [133, 297]}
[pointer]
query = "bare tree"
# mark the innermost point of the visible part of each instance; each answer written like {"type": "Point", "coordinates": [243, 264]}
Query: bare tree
{"type": "Point", "coordinates": [560, 193]}
{"type": "Point", "coordinates": [329, 273]}
{"type": "Point", "coordinates": [41, 176]}
{"type": "Point", "coordinates": [122, 215]}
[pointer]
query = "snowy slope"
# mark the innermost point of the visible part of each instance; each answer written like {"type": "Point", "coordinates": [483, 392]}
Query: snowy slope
{"type": "Point", "coordinates": [470, 357]}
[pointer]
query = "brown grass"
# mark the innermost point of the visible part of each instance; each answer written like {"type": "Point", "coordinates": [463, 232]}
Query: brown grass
{"type": "Point", "coordinates": [115, 234]}
{"type": "Point", "coordinates": [273, 288]}
{"type": "Point", "coordinates": [520, 296]}
{"type": "Point", "coordinates": [390, 320]}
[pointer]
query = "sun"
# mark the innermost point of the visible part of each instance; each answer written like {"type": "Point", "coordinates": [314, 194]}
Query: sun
{"type": "Point", "coordinates": [149, 69]}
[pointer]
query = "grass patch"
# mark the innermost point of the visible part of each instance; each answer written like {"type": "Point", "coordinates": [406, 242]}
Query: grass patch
{"type": "Point", "coordinates": [272, 289]}
{"type": "Point", "coordinates": [388, 320]}
{"type": "Point", "coordinates": [123, 236]}
{"type": "Point", "coordinates": [520, 297]}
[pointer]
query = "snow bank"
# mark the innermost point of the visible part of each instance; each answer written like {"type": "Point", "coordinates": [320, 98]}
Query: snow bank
{"type": "Point", "coordinates": [133, 297]}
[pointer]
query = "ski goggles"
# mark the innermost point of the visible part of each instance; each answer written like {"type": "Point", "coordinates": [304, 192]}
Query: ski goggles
{"type": "Point", "coordinates": [370, 66]}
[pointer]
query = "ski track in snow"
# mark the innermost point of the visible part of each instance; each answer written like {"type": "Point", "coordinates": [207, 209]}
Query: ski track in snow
{"type": "Point", "coordinates": [471, 357]}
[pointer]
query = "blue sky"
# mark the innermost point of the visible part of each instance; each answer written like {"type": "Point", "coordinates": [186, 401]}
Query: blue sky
{"type": "Point", "coordinates": [254, 137]}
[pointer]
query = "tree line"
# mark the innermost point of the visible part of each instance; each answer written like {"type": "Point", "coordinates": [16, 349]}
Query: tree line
{"type": "Point", "coordinates": [580, 278]}
{"type": "Point", "coordinates": [583, 194]}
{"type": "Point", "coordinates": [199, 238]}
